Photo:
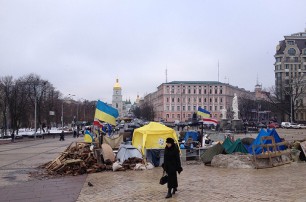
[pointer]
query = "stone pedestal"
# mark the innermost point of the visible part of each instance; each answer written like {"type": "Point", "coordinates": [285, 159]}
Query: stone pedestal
{"type": "Point", "coordinates": [224, 125]}
{"type": "Point", "coordinates": [237, 125]}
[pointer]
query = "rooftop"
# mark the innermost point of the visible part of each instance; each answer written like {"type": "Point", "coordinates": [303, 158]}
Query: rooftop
{"type": "Point", "coordinates": [195, 82]}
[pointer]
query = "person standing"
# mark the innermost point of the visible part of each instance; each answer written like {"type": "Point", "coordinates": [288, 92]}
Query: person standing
{"type": "Point", "coordinates": [62, 136]}
{"type": "Point", "coordinates": [171, 165]}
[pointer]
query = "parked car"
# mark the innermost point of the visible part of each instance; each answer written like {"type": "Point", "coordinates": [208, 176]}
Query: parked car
{"type": "Point", "coordinates": [302, 126]}
{"type": "Point", "coordinates": [285, 124]}
{"type": "Point", "coordinates": [273, 125]}
{"type": "Point", "coordinates": [294, 126]}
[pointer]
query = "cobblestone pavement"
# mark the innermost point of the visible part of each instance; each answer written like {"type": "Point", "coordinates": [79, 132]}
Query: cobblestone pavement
{"type": "Point", "coordinates": [201, 183]}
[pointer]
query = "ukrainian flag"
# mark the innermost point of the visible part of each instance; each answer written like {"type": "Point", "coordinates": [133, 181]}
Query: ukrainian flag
{"type": "Point", "coordinates": [203, 112]}
{"type": "Point", "coordinates": [106, 113]}
{"type": "Point", "coordinates": [88, 137]}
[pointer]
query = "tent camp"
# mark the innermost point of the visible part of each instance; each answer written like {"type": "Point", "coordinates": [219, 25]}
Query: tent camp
{"type": "Point", "coordinates": [264, 133]}
{"type": "Point", "coordinates": [152, 136]}
{"type": "Point", "coordinates": [127, 151]}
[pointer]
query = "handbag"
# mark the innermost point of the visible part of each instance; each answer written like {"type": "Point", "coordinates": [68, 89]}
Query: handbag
{"type": "Point", "coordinates": [164, 179]}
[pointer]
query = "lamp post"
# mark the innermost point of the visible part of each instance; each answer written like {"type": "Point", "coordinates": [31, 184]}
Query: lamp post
{"type": "Point", "coordinates": [69, 97]}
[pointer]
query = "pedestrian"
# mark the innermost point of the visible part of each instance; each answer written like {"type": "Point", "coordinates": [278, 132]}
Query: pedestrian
{"type": "Point", "coordinates": [74, 134]}
{"type": "Point", "coordinates": [62, 136]}
{"type": "Point", "coordinates": [13, 136]}
{"type": "Point", "coordinates": [171, 165]}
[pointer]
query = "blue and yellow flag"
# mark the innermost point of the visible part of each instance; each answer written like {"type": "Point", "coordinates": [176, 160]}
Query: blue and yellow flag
{"type": "Point", "coordinates": [106, 113]}
{"type": "Point", "coordinates": [88, 137]}
{"type": "Point", "coordinates": [203, 113]}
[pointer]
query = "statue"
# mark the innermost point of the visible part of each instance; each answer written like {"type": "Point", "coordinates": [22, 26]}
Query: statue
{"type": "Point", "coordinates": [235, 107]}
{"type": "Point", "coordinates": [223, 111]}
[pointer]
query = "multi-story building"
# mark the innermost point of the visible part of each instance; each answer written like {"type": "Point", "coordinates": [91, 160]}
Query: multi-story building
{"type": "Point", "coordinates": [178, 100]}
{"type": "Point", "coordinates": [290, 67]}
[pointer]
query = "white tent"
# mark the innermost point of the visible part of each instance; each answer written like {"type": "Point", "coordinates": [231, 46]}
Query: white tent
{"type": "Point", "coordinates": [127, 151]}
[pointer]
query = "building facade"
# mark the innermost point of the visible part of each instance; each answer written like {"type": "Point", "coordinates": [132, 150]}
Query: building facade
{"type": "Point", "coordinates": [178, 100]}
{"type": "Point", "coordinates": [117, 97]}
{"type": "Point", "coordinates": [290, 68]}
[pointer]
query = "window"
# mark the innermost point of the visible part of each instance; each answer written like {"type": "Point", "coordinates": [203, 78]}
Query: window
{"type": "Point", "coordinates": [173, 116]}
{"type": "Point", "coordinates": [200, 100]}
{"type": "Point", "coordinates": [296, 59]}
{"type": "Point", "coordinates": [189, 108]}
{"type": "Point", "coordinates": [183, 115]}
{"type": "Point", "coordinates": [210, 91]}
{"type": "Point", "coordinates": [216, 91]}
{"type": "Point", "coordinates": [287, 66]}
{"type": "Point", "coordinates": [200, 91]}
{"type": "Point", "coordinates": [178, 99]}
{"type": "Point", "coordinates": [168, 108]}
{"type": "Point", "coordinates": [210, 100]}
{"type": "Point", "coordinates": [221, 91]}
{"type": "Point", "coordinates": [215, 108]}
{"type": "Point", "coordinates": [184, 91]}
{"type": "Point", "coordinates": [210, 108]}
{"type": "Point", "coordinates": [205, 107]}
{"type": "Point", "coordinates": [178, 116]}
{"type": "Point", "coordinates": [194, 107]}
{"type": "Point", "coordinates": [167, 116]}
{"type": "Point", "coordinates": [291, 51]}
{"type": "Point", "coordinates": [194, 91]}
{"type": "Point", "coordinates": [183, 108]}
{"type": "Point", "coordinates": [291, 42]}
{"type": "Point", "coordinates": [221, 100]}
{"type": "Point", "coordinates": [167, 99]}
{"type": "Point", "coordinates": [304, 51]}
{"type": "Point", "coordinates": [178, 108]}
{"type": "Point", "coordinates": [287, 73]}
{"type": "Point", "coordinates": [216, 99]}
{"type": "Point", "coordinates": [189, 99]}
{"type": "Point", "coordinates": [205, 91]}
{"type": "Point", "coordinates": [221, 107]}
{"type": "Point", "coordinates": [287, 59]}
{"type": "Point", "coordinates": [189, 91]}
{"type": "Point", "coordinates": [205, 100]}
{"type": "Point", "coordinates": [172, 108]}
{"type": "Point", "coordinates": [172, 99]}
{"type": "Point", "coordinates": [194, 99]}
{"type": "Point", "coordinates": [189, 115]}
{"type": "Point", "coordinates": [172, 90]}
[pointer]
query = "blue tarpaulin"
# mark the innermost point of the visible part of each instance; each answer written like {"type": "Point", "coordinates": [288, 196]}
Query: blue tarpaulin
{"type": "Point", "coordinates": [264, 133]}
{"type": "Point", "coordinates": [191, 134]}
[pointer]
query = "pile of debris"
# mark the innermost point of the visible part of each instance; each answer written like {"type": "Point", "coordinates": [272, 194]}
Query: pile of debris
{"type": "Point", "coordinates": [80, 158]}
{"type": "Point", "coordinates": [77, 159]}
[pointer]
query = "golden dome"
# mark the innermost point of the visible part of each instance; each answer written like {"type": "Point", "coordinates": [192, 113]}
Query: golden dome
{"type": "Point", "coordinates": [117, 85]}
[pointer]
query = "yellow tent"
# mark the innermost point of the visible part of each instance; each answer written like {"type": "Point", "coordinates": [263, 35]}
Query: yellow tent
{"type": "Point", "coordinates": [152, 136]}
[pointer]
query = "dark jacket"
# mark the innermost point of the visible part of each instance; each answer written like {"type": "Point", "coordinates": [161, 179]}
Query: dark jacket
{"type": "Point", "coordinates": [172, 162]}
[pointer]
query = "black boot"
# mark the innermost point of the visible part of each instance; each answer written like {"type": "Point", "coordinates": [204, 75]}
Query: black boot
{"type": "Point", "coordinates": [174, 190]}
{"type": "Point", "coordinates": [169, 195]}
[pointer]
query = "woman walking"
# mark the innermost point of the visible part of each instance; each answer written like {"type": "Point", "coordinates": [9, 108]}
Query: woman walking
{"type": "Point", "coordinates": [172, 164]}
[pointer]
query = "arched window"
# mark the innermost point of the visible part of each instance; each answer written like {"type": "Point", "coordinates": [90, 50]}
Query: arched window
{"type": "Point", "coordinates": [291, 51]}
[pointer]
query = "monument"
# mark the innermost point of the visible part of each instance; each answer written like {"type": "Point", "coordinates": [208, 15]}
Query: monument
{"type": "Point", "coordinates": [224, 124]}
{"type": "Point", "coordinates": [236, 122]}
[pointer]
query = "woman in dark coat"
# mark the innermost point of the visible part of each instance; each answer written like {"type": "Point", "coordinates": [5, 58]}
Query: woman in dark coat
{"type": "Point", "coordinates": [172, 164]}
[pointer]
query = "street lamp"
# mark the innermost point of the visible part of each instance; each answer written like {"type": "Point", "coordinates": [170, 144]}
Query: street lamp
{"type": "Point", "coordinates": [69, 97]}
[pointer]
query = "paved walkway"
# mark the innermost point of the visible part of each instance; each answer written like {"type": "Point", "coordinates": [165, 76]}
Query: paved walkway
{"type": "Point", "coordinates": [201, 183]}
{"type": "Point", "coordinates": [17, 160]}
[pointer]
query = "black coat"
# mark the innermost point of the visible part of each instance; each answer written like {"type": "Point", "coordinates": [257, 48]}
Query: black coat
{"type": "Point", "coordinates": [172, 164]}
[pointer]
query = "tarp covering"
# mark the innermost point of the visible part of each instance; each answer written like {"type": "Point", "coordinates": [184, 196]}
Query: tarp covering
{"type": "Point", "coordinates": [209, 154]}
{"type": "Point", "coordinates": [107, 152]}
{"type": "Point", "coordinates": [113, 142]}
{"type": "Point", "coordinates": [152, 136]}
{"type": "Point", "coordinates": [227, 143]}
{"type": "Point", "coordinates": [237, 146]}
{"type": "Point", "coordinates": [264, 133]}
{"type": "Point", "coordinates": [191, 134]}
{"type": "Point", "coordinates": [127, 151]}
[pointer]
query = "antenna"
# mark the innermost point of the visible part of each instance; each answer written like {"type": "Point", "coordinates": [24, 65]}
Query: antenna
{"type": "Point", "coordinates": [218, 70]}
{"type": "Point", "coordinates": [166, 73]}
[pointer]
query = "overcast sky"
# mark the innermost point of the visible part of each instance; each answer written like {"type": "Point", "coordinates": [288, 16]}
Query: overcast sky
{"type": "Point", "coordinates": [83, 46]}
